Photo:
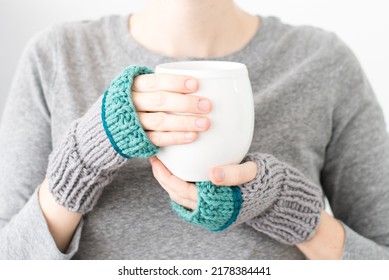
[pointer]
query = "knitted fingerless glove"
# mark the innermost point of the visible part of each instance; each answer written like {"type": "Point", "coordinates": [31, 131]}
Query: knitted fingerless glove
{"type": "Point", "coordinates": [218, 206]}
{"type": "Point", "coordinates": [279, 202]}
{"type": "Point", "coordinates": [97, 144]}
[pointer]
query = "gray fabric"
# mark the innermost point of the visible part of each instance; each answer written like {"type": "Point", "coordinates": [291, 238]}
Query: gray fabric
{"type": "Point", "coordinates": [357, 247]}
{"type": "Point", "coordinates": [315, 111]}
{"type": "Point", "coordinates": [27, 236]}
{"type": "Point", "coordinates": [83, 164]}
{"type": "Point", "coordinates": [280, 201]}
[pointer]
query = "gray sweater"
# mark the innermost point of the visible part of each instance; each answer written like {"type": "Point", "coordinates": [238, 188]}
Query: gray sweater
{"type": "Point", "coordinates": [315, 111]}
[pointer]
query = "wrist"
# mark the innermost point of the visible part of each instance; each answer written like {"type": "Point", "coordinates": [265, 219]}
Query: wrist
{"type": "Point", "coordinates": [327, 242]}
{"type": "Point", "coordinates": [61, 222]}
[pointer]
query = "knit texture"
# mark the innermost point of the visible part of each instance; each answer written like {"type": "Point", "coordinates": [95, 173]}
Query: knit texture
{"type": "Point", "coordinates": [83, 164]}
{"type": "Point", "coordinates": [217, 208]}
{"type": "Point", "coordinates": [120, 118]}
{"type": "Point", "coordinates": [97, 145]}
{"type": "Point", "coordinates": [315, 111]}
{"type": "Point", "coordinates": [280, 201]}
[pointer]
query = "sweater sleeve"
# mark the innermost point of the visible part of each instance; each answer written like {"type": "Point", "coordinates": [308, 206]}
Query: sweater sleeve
{"type": "Point", "coordinates": [25, 143]}
{"type": "Point", "coordinates": [355, 177]}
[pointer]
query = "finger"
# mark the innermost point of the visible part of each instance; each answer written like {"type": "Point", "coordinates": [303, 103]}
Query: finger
{"type": "Point", "coordinates": [164, 101]}
{"type": "Point", "coordinates": [170, 122]}
{"type": "Point", "coordinates": [234, 174]}
{"type": "Point", "coordinates": [180, 191]}
{"type": "Point", "coordinates": [187, 203]}
{"type": "Point", "coordinates": [163, 139]}
{"type": "Point", "coordinates": [179, 199]}
{"type": "Point", "coordinates": [168, 82]}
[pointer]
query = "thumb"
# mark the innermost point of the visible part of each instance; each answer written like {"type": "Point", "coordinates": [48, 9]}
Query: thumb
{"type": "Point", "coordinates": [234, 174]}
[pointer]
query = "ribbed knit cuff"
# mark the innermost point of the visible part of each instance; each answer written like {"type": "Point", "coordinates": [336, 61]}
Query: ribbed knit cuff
{"type": "Point", "coordinates": [120, 119]}
{"type": "Point", "coordinates": [83, 164]}
{"type": "Point", "coordinates": [217, 208]}
{"type": "Point", "coordinates": [280, 201]}
{"type": "Point", "coordinates": [97, 145]}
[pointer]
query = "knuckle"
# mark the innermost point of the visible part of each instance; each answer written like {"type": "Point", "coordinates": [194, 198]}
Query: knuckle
{"type": "Point", "coordinates": [136, 83]}
{"type": "Point", "coordinates": [235, 175]}
{"type": "Point", "coordinates": [135, 99]}
{"type": "Point", "coordinates": [255, 170]}
{"type": "Point", "coordinates": [152, 81]}
{"type": "Point", "coordinates": [158, 100]}
{"type": "Point", "coordinates": [175, 83]}
{"type": "Point", "coordinates": [189, 123]}
{"type": "Point", "coordinates": [188, 103]}
{"type": "Point", "coordinates": [156, 119]}
{"type": "Point", "coordinates": [145, 82]}
{"type": "Point", "coordinates": [174, 138]}
{"type": "Point", "coordinates": [174, 197]}
{"type": "Point", "coordinates": [155, 138]}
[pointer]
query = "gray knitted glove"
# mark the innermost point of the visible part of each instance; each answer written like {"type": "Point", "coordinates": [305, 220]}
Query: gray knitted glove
{"type": "Point", "coordinates": [83, 164]}
{"type": "Point", "coordinates": [97, 145]}
{"type": "Point", "coordinates": [280, 201]}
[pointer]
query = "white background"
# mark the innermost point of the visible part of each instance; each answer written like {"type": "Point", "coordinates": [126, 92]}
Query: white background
{"type": "Point", "coordinates": [362, 24]}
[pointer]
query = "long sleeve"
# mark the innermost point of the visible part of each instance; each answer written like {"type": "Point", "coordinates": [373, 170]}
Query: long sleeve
{"type": "Point", "coordinates": [25, 143]}
{"type": "Point", "coordinates": [355, 177]}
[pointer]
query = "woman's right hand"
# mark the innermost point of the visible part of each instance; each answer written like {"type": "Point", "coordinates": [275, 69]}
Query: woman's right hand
{"type": "Point", "coordinates": [158, 97]}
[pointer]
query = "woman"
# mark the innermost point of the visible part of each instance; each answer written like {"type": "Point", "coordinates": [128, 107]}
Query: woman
{"type": "Point", "coordinates": [318, 130]}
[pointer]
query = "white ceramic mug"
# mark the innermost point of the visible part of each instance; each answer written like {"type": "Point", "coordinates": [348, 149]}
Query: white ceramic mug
{"type": "Point", "coordinates": [227, 86]}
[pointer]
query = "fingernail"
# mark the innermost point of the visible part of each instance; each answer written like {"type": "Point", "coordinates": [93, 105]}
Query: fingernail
{"type": "Point", "coordinates": [219, 174]}
{"type": "Point", "coordinates": [203, 105]}
{"type": "Point", "coordinates": [189, 135]}
{"type": "Point", "coordinates": [201, 123]}
{"type": "Point", "coordinates": [190, 84]}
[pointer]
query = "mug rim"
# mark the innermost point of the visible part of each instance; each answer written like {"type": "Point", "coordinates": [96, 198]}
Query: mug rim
{"type": "Point", "coordinates": [206, 68]}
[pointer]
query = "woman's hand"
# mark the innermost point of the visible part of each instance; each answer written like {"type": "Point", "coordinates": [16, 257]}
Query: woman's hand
{"type": "Point", "coordinates": [185, 193]}
{"type": "Point", "coordinates": [265, 193]}
{"type": "Point", "coordinates": [180, 191]}
{"type": "Point", "coordinates": [157, 97]}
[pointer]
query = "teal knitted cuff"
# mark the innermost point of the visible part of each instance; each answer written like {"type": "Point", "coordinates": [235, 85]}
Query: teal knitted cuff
{"type": "Point", "coordinates": [217, 209]}
{"type": "Point", "coordinates": [120, 119]}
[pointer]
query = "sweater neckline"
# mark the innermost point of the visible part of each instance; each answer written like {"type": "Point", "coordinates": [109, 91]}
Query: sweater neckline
{"type": "Point", "coordinates": [132, 47]}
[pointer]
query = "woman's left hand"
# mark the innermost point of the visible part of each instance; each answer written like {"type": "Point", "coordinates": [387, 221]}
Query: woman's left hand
{"type": "Point", "coordinates": [185, 193]}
